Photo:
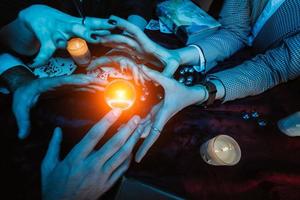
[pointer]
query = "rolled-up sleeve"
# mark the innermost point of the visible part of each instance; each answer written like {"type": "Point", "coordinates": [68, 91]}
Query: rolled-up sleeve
{"type": "Point", "coordinates": [263, 72]}
{"type": "Point", "coordinates": [231, 37]}
{"type": "Point", "coordinates": [8, 61]}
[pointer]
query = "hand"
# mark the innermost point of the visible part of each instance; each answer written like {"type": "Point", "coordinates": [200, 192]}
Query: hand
{"type": "Point", "coordinates": [171, 104]}
{"type": "Point", "coordinates": [124, 62]}
{"type": "Point", "coordinates": [26, 96]}
{"type": "Point", "coordinates": [54, 28]}
{"type": "Point", "coordinates": [136, 42]}
{"type": "Point", "coordinates": [86, 173]}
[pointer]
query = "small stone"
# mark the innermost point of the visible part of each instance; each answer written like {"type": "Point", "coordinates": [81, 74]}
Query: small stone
{"type": "Point", "coordinates": [159, 96]}
{"type": "Point", "coordinates": [147, 93]}
{"type": "Point", "coordinates": [188, 83]}
{"type": "Point", "coordinates": [181, 80]}
{"type": "Point", "coordinates": [182, 72]}
{"type": "Point", "coordinates": [255, 114]}
{"type": "Point", "coordinates": [186, 69]}
{"type": "Point", "coordinates": [262, 123]}
{"type": "Point", "coordinates": [143, 98]}
{"type": "Point", "coordinates": [191, 70]}
{"type": "Point", "coordinates": [190, 79]}
{"type": "Point", "coordinates": [246, 116]}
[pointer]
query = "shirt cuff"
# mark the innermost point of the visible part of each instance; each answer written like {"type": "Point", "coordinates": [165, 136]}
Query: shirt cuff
{"type": "Point", "coordinates": [8, 61]}
{"type": "Point", "coordinates": [202, 61]}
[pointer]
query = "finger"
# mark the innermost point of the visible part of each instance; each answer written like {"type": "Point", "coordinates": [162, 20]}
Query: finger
{"type": "Point", "coordinates": [47, 49]}
{"type": "Point", "coordinates": [52, 156]}
{"type": "Point", "coordinates": [118, 158]}
{"type": "Point", "coordinates": [98, 23]}
{"type": "Point", "coordinates": [158, 124]}
{"type": "Point", "coordinates": [78, 79]}
{"type": "Point", "coordinates": [91, 139]}
{"type": "Point", "coordinates": [116, 142]}
{"type": "Point", "coordinates": [130, 28]}
{"type": "Point", "coordinates": [79, 30]}
{"type": "Point", "coordinates": [115, 41]}
{"type": "Point", "coordinates": [118, 173]}
{"type": "Point", "coordinates": [155, 76]}
{"type": "Point", "coordinates": [21, 112]}
{"type": "Point", "coordinates": [104, 60]}
{"type": "Point", "coordinates": [147, 130]}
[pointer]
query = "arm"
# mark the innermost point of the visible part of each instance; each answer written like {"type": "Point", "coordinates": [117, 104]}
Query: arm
{"type": "Point", "coordinates": [233, 35]}
{"type": "Point", "coordinates": [262, 72]}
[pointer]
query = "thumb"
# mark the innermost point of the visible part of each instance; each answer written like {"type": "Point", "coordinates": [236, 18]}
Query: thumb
{"type": "Point", "coordinates": [155, 76]}
{"type": "Point", "coordinates": [52, 155]}
{"type": "Point", "coordinates": [23, 120]}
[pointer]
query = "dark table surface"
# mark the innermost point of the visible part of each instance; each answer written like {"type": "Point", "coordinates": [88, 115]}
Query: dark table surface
{"type": "Point", "coordinates": [269, 168]}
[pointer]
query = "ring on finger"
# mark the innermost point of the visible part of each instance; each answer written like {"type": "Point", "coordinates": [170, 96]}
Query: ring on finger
{"type": "Point", "coordinates": [155, 129]}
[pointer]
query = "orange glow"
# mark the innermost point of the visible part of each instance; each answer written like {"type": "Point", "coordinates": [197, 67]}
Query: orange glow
{"type": "Point", "coordinates": [120, 94]}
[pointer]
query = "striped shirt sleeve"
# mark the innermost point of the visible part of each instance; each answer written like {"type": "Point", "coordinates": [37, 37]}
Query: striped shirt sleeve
{"type": "Point", "coordinates": [233, 35]}
{"type": "Point", "coordinates": [263, 72]}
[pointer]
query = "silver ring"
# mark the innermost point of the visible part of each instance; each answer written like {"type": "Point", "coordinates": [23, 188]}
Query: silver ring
{"type": "Point", "coordinates": [83, 21]}
{"type": "Point", "coordinates": [155, 129]}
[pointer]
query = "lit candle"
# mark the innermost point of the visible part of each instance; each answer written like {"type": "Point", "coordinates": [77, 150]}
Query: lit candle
{"type": "Point", "coordinates": [120, 94]}
{"type": "Point", "coordinates": [221, 150]}
{"type": "Point", "coordinates": [79, 51]}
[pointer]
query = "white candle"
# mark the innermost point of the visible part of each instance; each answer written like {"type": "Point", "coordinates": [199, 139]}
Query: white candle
{"type": "Point", "coordinates": [221, 150]}
{"type": "Point", "coordinates": [79, 51]}
{"type": "Point", "coordinates": [120, 94]}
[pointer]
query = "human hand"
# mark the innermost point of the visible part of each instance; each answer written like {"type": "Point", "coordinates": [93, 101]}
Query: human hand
{"type": "Point", "coordinates": [26, 96]}
{"type": "Point", "coordinates": [172, 103]}
{"type": "Point", "coordinates": [117, 59]}
{"type": "Point", "coordinates": [136, 42]}
{"type": "Point", "coordinates": [86, 173]}
{"type": "Point", "coordinates": [54, 28]}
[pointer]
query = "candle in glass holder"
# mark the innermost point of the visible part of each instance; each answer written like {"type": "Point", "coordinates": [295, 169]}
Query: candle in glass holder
{"type": "Point", "coordinates": [120, 94]}
{"type": "Point", "coordinates": [221, 150]}
{"type": "Point", "coordinates": [79, 51]}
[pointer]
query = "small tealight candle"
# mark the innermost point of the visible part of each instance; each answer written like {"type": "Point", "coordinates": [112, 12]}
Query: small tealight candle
{"type": "Point", "coordinates": [79, 51]}
{"type": "Point", "coordinates": [120, 94]}
{"type": "Point", "coordinates": [221, 150]}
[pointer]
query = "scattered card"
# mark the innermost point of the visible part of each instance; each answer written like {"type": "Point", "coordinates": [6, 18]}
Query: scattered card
{"type": "Point", "coordinates": [153, 25]}
{"type": "Point", "coordinates": [164, 29]}
{"type": "Point", "coordinates": [56, 67]}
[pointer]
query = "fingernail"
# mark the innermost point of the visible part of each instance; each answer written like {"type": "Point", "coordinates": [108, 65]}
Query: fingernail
{"type": "Point", "coordinates": [117, 112]}
{"type": "Point", "coordinates": [112, 22]}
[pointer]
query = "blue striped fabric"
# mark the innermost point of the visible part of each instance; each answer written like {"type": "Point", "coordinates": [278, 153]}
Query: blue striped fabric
{"type": "Point", "coordinates": [277, 65]}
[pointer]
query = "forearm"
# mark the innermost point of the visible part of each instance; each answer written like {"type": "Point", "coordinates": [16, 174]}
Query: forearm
{"type": "Point", "coordinates": [231, 37]}
{"type": "Point", "coordinates": [263, 72]}
{"type": "Point", "coordinates": [24, 43]}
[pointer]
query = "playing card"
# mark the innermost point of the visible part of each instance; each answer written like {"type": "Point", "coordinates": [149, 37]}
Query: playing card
{"type": "Point", "coordinates": [153, 25]}
{"type": "Point", "coordinates": [163, 28]}
{"type": "Point", "coordinates": [108, 72]}
{"type": "Point", "coordinates": [56, 67]}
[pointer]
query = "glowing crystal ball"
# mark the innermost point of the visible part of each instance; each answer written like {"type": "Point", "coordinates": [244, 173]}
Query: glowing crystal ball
{"type": "Point", "coordinates": [120, 94]}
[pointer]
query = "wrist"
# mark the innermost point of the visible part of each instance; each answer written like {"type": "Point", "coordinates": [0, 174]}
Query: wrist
{"type": "Point", "coordinates": [201, 94]}
{"type": "Point", "coordinates": [188, 55]}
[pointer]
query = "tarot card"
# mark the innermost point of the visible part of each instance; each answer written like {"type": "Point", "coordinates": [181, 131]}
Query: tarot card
{"type": "Point", "coordinates": [153, 25]}
{"type": "Point", "coordinates": [56, 67]}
